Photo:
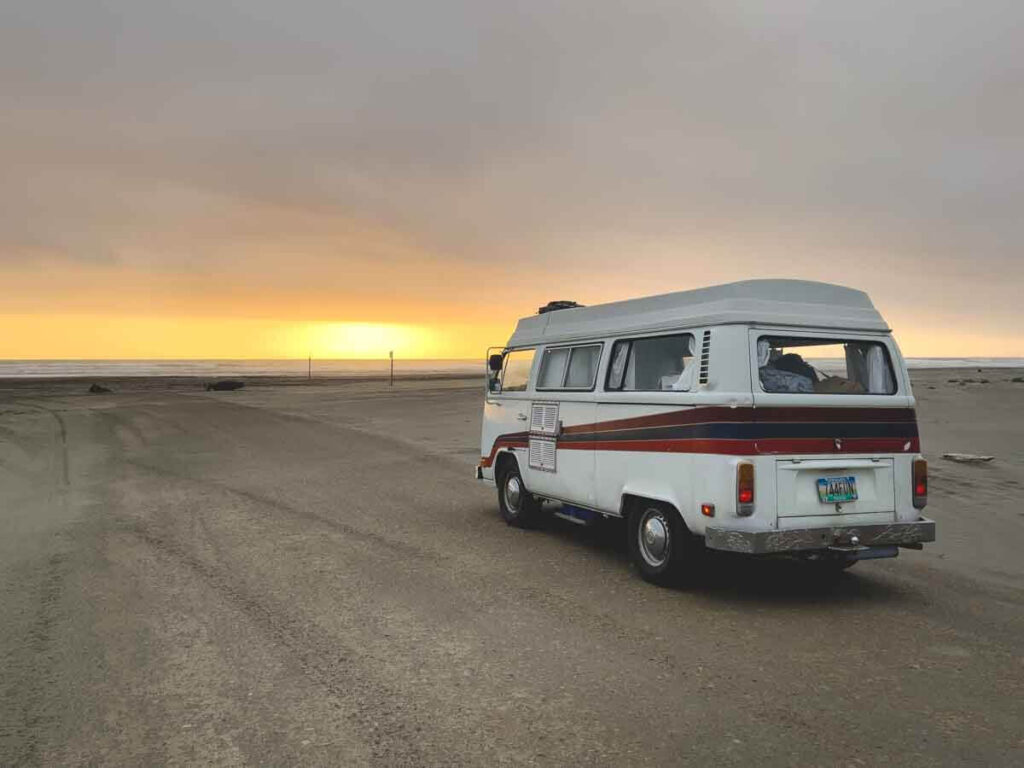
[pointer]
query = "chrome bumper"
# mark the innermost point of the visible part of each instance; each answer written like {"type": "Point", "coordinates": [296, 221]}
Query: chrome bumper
{"type": "Point", "coordinates": [766, 542]}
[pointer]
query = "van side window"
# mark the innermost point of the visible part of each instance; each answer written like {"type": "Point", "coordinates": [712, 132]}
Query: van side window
{"type": "Point", "coordinates": [569, 367]}
{"type": "Point", "coordinates": [552, 368]}
{"type": "Point", "coordinates": [583, 367]}
{"type": "Point", "coordinates": [516, 374]}
{"type": "Point", "coordinates": [824, 366]}
{"type": "Point", "coordinates": [617, 367]}
{"type": "Point", "coordinates": [654, 364]}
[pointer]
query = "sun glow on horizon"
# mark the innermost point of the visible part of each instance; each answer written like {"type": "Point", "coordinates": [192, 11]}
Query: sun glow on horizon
{"type": "Point", "coordinates": [120, 337]}
{"type": "Point", "coordinates": [355, 340]}
{"type": "Point", "coordinates": [101, 337]}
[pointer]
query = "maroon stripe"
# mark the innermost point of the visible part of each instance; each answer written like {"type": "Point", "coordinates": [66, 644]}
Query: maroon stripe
{"type": "Point", "coordinates": [710, 414]}
{"type": "Point", "coordinates": [766, 446]}
{"type": "Point", "coordinates": [727, 447]}
{"type": "Point", "coordinates": [668, 419]}
{"type": "Point", "coordinates": [725, 414]}
{"type": "Point", "coordinates": [810, 413]}
{"type": "Point", "coordinates": [518, 440]}
{"type": "Point", "coordinates": [753, 447]}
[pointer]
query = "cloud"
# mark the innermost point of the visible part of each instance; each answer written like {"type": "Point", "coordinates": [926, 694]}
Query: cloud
{"type": "Point", "coordinates": [871, 143]}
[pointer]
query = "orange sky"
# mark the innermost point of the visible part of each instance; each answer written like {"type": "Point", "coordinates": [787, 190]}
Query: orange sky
{"type": "Point", "coordinates": [253, 180]}
{"type": "Point", "coordinates": [109, 312]}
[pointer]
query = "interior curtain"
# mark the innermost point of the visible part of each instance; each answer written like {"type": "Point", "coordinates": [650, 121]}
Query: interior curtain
{"type": "Point", "coordinates": [879, 376]}
{"type": "Point", "coordinates": [857, 365]}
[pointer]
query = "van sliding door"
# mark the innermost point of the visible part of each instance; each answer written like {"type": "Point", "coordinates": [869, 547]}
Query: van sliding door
{"type": "Point", "coordinates": [561, 465]}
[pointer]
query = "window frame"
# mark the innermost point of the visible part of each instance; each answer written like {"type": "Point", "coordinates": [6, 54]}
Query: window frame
{"type": "Point", "coordinates": [629, 341]}
{"type": "Point", "coordinates": [568, 363]}
{"type": "Point", "coordinates": [822, 341]}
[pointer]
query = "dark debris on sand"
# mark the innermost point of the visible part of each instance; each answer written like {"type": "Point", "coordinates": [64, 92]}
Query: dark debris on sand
{"type": "Point", "coordinates": [225, 385]}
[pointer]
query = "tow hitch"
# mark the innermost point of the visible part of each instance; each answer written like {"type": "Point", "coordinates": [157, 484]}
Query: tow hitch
{"type": "Point", "coordinates": [848, 547]}
{"type": "Point", "coordinates": [857, 552]}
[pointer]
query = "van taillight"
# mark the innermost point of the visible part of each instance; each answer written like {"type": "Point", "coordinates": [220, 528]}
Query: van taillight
{"type": "Point", "coordinates": [920, 483]}
{"type": "Point", "coordinates": [745, 489]}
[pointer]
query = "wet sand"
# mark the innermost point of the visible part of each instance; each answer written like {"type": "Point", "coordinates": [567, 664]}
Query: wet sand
{"type": "Point", "coordinates": [308, 574]}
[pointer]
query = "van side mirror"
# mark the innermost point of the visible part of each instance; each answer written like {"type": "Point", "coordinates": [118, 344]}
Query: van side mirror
{"type": "Point", "coordinates": [495, 362]}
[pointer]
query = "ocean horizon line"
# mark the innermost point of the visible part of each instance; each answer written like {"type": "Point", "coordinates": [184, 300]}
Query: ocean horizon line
{"type": "Point", "coordinates": [327, 367]}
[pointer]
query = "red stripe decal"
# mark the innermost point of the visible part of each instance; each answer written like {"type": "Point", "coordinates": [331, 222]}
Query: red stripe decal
{"type": "Point", "coordinates": [737, 447]}
{"type": "Point", "coordinates": [765, 446]}
{"type": "Point", "coordinates": [503, 442]}
{"type": "Point", "coordinates": [753, 447]}
{"type": "Point", "coordinates": [723, 414]}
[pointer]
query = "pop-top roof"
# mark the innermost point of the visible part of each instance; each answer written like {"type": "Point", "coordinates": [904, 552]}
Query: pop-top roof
{"type": "Point", "coordinates": [799, 303]}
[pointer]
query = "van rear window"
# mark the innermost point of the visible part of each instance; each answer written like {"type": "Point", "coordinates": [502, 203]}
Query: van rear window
{"type": "Point", "coordinates": [796, 365]}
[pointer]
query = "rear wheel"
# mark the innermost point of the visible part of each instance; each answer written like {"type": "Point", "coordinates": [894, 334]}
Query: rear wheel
{"type": "Point", "coordinates": [661, 546]}
{"type": "Point", "coordinates": [518, 506]}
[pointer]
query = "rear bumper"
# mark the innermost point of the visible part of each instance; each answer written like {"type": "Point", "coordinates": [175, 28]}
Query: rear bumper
{"type": "Point", "coordinates": [766, 542]}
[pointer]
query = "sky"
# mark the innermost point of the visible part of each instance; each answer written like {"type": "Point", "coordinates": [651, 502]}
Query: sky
{"type": "Point", "coordinates": [265, 179]}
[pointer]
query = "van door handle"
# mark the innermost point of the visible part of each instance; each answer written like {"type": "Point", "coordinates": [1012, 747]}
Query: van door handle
{"type": "Point", "coordinates": [521, 416]}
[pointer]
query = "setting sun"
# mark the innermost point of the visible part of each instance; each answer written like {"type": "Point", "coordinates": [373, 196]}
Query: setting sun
{"type": "Point", "coordinates": [369, 340]}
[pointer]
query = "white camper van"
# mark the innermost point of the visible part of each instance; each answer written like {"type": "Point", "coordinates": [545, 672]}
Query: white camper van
{"type": "Point", "coordinates": [763, 417]}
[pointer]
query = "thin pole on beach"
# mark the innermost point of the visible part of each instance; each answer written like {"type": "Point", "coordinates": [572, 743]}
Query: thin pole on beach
{"type": "Point", "coordinates": [309, 372]}
{"type": "Point", "coordinates": [391, 357]}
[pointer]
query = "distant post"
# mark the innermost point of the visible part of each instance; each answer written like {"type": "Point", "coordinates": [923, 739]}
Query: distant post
{"type": "Point", "coordinates": [391, 357]}
{"type": "Point", "coordinates": [309, 371]}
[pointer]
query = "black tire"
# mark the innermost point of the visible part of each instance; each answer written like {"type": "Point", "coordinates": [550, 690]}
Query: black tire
{"type": "Point", "coordinates": [661, 546]}
{"type": "Point", "coordinates": [518, 506]}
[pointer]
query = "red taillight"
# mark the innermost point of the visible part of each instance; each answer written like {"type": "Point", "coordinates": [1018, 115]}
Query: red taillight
{"type": "Point", "coordinates": [920, 483]}
{"type": "Point", "coordinates": [744, 489]}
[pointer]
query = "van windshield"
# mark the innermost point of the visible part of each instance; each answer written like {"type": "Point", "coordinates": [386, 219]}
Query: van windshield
{"type": "Point", "coordinates": [824, 366]}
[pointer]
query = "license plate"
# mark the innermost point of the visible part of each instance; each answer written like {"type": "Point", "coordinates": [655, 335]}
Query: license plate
{"type": "Point", "coordinates": [836, 489]}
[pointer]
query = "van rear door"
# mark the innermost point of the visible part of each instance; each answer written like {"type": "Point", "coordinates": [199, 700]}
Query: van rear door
{"type": "Point", "coordinates": [835, 411]}
{"type": "Point", "coordinates": [863, 491]}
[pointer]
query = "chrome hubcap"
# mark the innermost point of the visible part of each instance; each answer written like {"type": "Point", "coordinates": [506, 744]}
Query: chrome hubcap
{"type": "Point", "coordinates": [654, 538]}
{"type": "Point", "coordinates": [513, 494]}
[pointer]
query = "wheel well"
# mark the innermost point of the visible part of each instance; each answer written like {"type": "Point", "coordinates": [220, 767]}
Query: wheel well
{"type": "Point", "coordinates": [505, 458]}
{"type": "Point", "coordinates": [630, 501]}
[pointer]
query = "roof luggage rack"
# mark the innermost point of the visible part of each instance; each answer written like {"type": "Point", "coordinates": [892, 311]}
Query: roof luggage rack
{"type": "Point", "coordinates": [554, 306]}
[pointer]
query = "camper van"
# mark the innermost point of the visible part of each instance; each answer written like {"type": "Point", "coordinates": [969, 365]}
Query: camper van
{"type": "Point", "coordinates": [766, 417]}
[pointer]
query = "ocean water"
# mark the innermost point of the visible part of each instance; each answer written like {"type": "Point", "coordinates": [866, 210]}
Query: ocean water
{"type": "Point", "coordinates": [25, 369]}
{"type": "Point", "coordinates": [838, 365]}
{"type": "Point", "coordinates": [56, 369]}
{"type": "Point", "coordinates": [965, 362]}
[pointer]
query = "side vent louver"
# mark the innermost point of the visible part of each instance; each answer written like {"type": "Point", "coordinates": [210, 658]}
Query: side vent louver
{"type": "Point", "coordinates": [544, 418]}
{"type": "Point", "coordinates": [544, 436]}
{"type": "Point", "coordinates": [705, 357]}
{"type": "Point", "coordinates": [543, 454]}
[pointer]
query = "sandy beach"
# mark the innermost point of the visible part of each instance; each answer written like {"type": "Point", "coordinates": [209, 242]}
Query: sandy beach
{"type": "Point", "coordinates": [301, 573]}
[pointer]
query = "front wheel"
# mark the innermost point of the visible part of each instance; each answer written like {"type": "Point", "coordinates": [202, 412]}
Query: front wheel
{"type": "Point", "coordinates": [518, 506]}
{"type": "Point", "coordinates": [661, 547]}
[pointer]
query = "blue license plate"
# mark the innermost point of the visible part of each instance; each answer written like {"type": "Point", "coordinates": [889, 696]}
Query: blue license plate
{"type": "Point", "coordinates": [832, 490]}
